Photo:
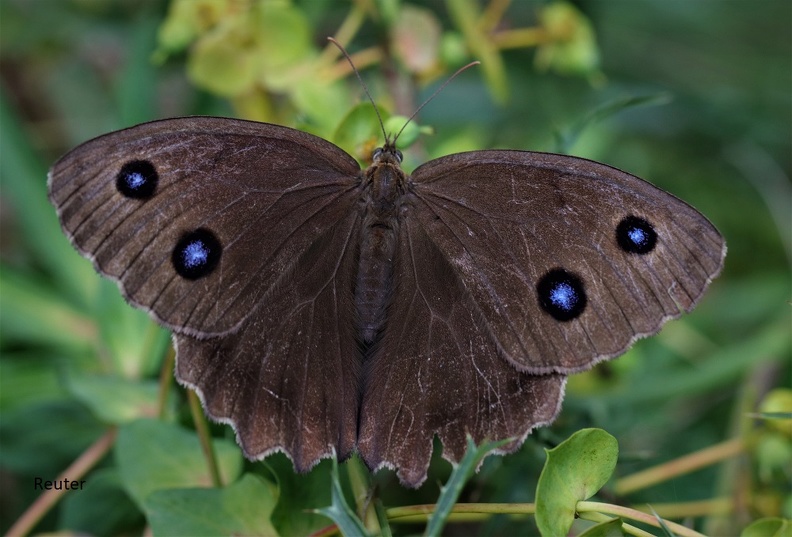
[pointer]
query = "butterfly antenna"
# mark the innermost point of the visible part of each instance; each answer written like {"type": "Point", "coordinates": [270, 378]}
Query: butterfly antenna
{"type": "Point", "coordinates": [433, 95]}
{"type": "Point", "coordinates": [365, 88]}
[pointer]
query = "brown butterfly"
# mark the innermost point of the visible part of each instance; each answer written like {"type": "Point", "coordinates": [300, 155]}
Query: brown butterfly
{"type": "Point", "coordinates": [320, 308]}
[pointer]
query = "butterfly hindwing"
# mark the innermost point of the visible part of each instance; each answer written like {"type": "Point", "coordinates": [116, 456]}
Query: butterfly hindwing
{"type": "Point", "coordinates": [437, 370]}
{"type": "Point", "coordinates": [288, 379]}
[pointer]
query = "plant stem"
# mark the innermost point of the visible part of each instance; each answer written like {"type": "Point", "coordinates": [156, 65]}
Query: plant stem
{"type": "Point", "coordinates": [680, 466]}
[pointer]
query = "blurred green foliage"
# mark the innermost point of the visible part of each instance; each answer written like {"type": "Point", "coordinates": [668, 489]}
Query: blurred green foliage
{"type": "Point", "coordinates": [694, 96]}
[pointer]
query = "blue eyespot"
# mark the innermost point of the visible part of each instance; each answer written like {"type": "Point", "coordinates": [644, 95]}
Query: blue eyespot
{"type": "Point", "coordinates": [635, 235]}
{"type": "Point", "coordinates": [196, 254]}
{"type": "Point", "coordinates": [137, 179]}
{"type": "Point", "coordinates": [561, 294]}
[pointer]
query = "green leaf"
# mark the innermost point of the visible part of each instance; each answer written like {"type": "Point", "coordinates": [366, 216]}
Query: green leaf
{"type": "Point", "coordinates": [323, 104]}
{"type": "Point", "coordinates": [339, 511]}
{"type": "Point", "coordinates": [408, 132]}
{"type": "Point", "coordinates": [283, 41]}
{"type": "Point", "coordinates": [359, 133]}
{"type": "Point", "coordinates": [776, 409]}
{"type": "Point", "coordinates": [114, 399]}
{"type": "Point", "coordinates": [768, 527]}
{"type": "Point", "coordinates": [134, 343]}
{"type": "Point", "coordinates": [299, 493]}
{"type": "Point", "coordinates": [29, 302]}
{"type": "Point", "coordinates": [566, 139]}
{"type": "Point", "coordinates": [453, 487]}
{"type": "Point", "coordinates": [242, 508]}
{"type": "Point", "coordinates": [225, 60]}
{"type": "Point", "coordinates": [185, 22]}
{"type": "Point", "coordinates": [573, 49]}
{"type": "Point", "coordinates": [29, 376]}
{"type": "Point", "coordinates": [154, 455]}
{"type": "Point", "coordinates": [101, 507]}
{"type": "Point", "coordinates": [611, 528]}
{"type": "Point", "coordinates": [43, 438]}
{"type": "Point", "coordinates": [575, 470]}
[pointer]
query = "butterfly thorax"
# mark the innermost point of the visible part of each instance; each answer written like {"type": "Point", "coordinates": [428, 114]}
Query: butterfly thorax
{"type": "Point", "coordinates": [384, 187]}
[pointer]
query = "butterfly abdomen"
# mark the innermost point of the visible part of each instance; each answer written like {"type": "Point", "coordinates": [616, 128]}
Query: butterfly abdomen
{"type": "Point", "coordinates": [379, 236]}
{"type": "Point", "coordinates": [374, 281]}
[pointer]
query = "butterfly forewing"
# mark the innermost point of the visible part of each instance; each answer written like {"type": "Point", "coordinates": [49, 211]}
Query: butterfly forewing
{"type": "Point", "coordinates": [230, 203]}
{"type": "Point", "coordinates": [518, 228]}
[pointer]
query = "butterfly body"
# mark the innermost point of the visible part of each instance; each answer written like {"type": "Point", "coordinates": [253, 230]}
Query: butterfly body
{"type": "Point", "coordinates": [321, 309]}
{"type": "Point", "coordinates": [384, 187]}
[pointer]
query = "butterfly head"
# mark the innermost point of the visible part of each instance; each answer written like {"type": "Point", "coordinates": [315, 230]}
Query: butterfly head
{"type": "Point", "coordinates": [387, 154]}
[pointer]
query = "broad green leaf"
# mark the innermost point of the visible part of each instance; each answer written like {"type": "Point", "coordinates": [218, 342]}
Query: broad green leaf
{"type": "Point", "coordinates": [134, 343]}
{"type": "Point", "coordinates": [30, 303]}
{"type": "Point", "coordinates": [242, 508]}
{"type": "Point", "coordinates": [101, 507]}
{"type": "Point", "coordinates": [41, 439]}
{"type": "Point", "coordinates": [283, 43]}
{"type": "Point", "coordinates": [28, 376]}
{"type": "Point", "coordinates": [299, 493]}
{"type": "Point", "coordinates": [573, 49]}
{"type": "Point", "coordinates": [611, 528]}
{"type": "Point", "coordinates": [322, 104]}
{"type": "Point", "coordinates": [776, 408]}
{"type": "Point", "coordinates": [359, 133]}
{"type": "Point", "coordinates": [225, 60]}
{"type": "Point", "coordinates": [114, 399]}
{"type": "Point", "coordinates": [408, 132]}
{"type": "Point", "coordinates": [154, 455]}
{"type": "Point", "coordinates": [768, 527]}
{"type": "Point", "coordinates": [575, 470]}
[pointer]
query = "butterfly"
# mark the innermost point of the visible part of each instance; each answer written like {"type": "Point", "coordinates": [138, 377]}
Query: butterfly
{"type": "Point", "coordinates": [320, 308]}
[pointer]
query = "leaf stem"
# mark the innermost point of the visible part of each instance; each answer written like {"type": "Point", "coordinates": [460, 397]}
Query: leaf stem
{"type": "Point", "coordinates": [205, 438]}
{"type": "Point", "coordinates": [633, 514]}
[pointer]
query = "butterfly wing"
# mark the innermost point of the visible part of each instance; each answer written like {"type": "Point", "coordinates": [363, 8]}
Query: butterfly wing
{"type": "Point", "coordinates": [515, 268]}
{"type": "Point", "coordinates": [287, 380]}
{"type": "Point", "coordinates": [437, 370]}
{"type": "Point", "coordinates": [199, 218]}
{"type": "Point", "coordinates": [567, 261]}
{"type": "Point", "coordinates": [235, 235]}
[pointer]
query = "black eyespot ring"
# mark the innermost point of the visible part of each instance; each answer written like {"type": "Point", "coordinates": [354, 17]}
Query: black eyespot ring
{"type": "Point", "coordinates": [196, 254]}
{"type": "Point", "coordinates": [561, 294]}
{"type": "Point", "coordinates": [137, 179]}
{"type": "Point", "coordinates": [635, 235]}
